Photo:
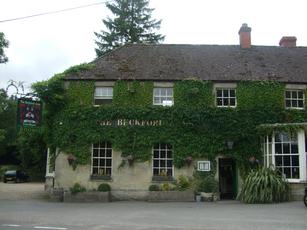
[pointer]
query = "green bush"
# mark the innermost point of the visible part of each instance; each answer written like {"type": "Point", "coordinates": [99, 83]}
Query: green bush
{"type": "Point", "coordinates": [183, 183]}
{"type": "Point", "coordinates": [166, 187]}
{"type": "Point", "coordinates": [104, 187]}
{"type": "Point", "coordinates": [207, 184]}
{"type": "Point", "coordinates": [77, 188]}
{"type": "Point", "coordinates": [154, 187]}
{"type": "Point", "coordinates": [264, 185]}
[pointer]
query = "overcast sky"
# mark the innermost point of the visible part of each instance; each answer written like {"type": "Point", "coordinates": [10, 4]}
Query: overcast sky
{"type": "Point", "coordinates": [45, 45]}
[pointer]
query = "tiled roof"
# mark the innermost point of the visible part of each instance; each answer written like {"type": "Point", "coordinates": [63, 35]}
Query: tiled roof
{"type": "Point", "coordinates": [206, 62]}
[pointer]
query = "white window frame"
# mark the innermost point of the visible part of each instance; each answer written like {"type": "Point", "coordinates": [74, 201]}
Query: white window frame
{"type": "Point", "coordinates": [203, 166]}
{"type": "Point", "coordinates": [225, 97]}
{"type": "Point", "coordinates": [107, 95]}
{"type": "Point", "coordinates": [103, 147]}
{"type": "Point", "coordinates": [297, 99]}
{"type": "Point", "coordinates": [163, 98]}
{"type": "Point", "coordinates": [269, 147]}
{"type": "Point", "coordinates": [166, 159]}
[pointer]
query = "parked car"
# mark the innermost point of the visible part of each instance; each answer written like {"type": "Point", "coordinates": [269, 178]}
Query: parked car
{"type": "Point", "coordinates": [15, 175]}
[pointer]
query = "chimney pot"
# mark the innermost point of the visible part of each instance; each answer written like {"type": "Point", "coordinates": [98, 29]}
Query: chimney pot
{"type": "Point", "coordinates": [245, 36]}
{"type": "Point", "coordinates": [288, 41]}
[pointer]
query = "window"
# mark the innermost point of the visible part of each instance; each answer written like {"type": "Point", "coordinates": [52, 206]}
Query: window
{"type": "Point", "coordinates": [162, 160]}
{"type": "Point", "coordinates": [294, 99]}
{"type": "Point", "coordinates": [163, 96]}
{"type": "Point", "coordinates": [282, 150]}
{"type": "Point", "coordinates": [102, 159]}
{"type": "Point", "coordinates": [226, 97]}
{"type": "Point", "coordinates": [103, 95]}
{"type": "Point", "coordinates": [287, 155]}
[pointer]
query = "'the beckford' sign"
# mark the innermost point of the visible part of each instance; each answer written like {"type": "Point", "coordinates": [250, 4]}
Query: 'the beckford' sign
{"type": "Point", "coordinates": [129, 122]}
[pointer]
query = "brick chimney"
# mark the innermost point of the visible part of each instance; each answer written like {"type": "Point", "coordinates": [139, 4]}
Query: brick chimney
{"type": "Point", "coordinates": [245, 36]}
{"type": "Point", "coordinates": [288, 42]}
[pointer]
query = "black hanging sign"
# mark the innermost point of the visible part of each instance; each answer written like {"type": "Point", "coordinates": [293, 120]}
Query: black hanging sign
{"type": "Point", "coordinates": [29, 112]}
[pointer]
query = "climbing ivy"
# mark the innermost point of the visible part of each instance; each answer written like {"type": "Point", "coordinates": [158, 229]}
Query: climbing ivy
{"type": "Point", "coordinates": [80, 93]}
{"type": "Point", "coordinates": [260, 94]}
{"type": "Point", "coordinates": [194, 93]}
{"type": "Point", "coordinates": [194, 126]}
{"type": "Point", "coordinates": [132, 93]}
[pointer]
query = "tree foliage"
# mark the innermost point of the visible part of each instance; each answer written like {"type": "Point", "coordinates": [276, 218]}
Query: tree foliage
{"type": "Point", "coordinates": [8, 131]}
{"type": "Point", "coordinates": [3, 44]}
{"type": "Point", "coordinates": [132, 24]}
{"type": "Point", "coordinates": [32, 152]}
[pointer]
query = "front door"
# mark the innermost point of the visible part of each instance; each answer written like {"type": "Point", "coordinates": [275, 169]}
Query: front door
{"type": "Point", "coordinates": [227, 178]}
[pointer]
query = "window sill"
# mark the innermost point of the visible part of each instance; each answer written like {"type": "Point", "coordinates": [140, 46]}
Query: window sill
{"type": "Point", "coordinates": [102, 177]}
{"type": "Point", "coordinates": [162, 178]}
{"type": "Point", "coordinates": [297, 181]}
{"type": "Point", "coordinates": [231, 107]}
{"type": "Point", "coordinates": [295, 108]}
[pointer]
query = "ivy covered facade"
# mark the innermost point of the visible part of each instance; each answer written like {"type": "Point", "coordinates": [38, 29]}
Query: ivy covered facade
{"type": "Point", "coordinates": [147, 114]}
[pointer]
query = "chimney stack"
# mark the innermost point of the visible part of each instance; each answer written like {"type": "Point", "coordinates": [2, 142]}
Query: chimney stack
{"type": "Point", "coordinates": [288, 42]}
{"type": "Point", "coordinates": [245, 36]}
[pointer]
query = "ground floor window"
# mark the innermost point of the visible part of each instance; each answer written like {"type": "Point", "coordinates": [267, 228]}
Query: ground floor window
{"type": "Point", "coordinates": [286, 151]}
{"type": "Point", "coordinates": [102, 159]}
{"type": "Point", "coordinates": [162, 160]}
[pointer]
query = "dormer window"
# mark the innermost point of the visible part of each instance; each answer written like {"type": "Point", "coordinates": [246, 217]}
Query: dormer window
{"type": "Point", "coordinates": [103, 95]}
{"type": "Point", "coordinates": [294, 99]}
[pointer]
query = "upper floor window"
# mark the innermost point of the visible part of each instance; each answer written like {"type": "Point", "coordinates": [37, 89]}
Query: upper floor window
{"type": "Point", "coordinates": [102, 159]}
{"type": "Point", "coordinates": [163, 96]}
{"type": "Point", "coordinates": [226, 97]}
{"type": "Point", "coordinates": [162, 160]}
{"type": "Point", "coordinates": [103, 95]}
{"type": "Point", "coordinates": [294, 99]}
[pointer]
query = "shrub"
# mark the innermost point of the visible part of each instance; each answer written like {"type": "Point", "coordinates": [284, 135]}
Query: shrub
{"type": "Point", "coordinates": [77, 188]}
{"type": "Point", "coordinates": [264, 185]}
{"type": "Point", "coordinates": [183, 183]}
{"type": "Point", "coordinates": [166, 187]}
{"type": "Point", "coordinates": [154, 187]}
{"type": "Point", "coordinates": [104, 187]}
{"type": "Point", "coordinates": [207, 184]}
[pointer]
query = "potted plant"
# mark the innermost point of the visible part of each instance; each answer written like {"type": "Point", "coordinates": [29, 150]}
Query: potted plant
{"type": "Point", "coordinates": [188, 160]}
{"type": "Point", "coordinates": [207, 187]}
{"type": "Point", "coordinates": [72, 161]}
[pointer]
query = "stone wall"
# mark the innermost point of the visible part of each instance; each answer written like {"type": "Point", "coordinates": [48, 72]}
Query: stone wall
{"type": "Point", "coordinates": [127, 182]}
{"type": "Point", "coordinates": [297, 191]}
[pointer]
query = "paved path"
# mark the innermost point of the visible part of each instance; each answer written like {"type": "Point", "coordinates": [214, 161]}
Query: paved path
{"type": "Point", "coordinates": [223, 215]}
{"type": "Point", "coordinates": [21, 191]}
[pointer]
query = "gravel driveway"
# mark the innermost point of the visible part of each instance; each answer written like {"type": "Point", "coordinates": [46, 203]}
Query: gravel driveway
{"type": "Point", "coordinates": [21, 191]}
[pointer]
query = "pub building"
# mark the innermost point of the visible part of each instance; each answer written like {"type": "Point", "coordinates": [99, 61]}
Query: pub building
{"type": "Point", "coordinates": [227, 69]}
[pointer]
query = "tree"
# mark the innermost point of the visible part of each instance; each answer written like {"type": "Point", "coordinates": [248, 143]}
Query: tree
{"type": "Point", "coordinates": [132, 24]}
{"type": "Point", "coordinates": [3, 44]}
{"type": "Point", "coordinates": [8, 130]}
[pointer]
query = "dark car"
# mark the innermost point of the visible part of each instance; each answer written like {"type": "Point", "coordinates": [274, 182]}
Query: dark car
{"type": "Point", "coordinates": [15, 175]}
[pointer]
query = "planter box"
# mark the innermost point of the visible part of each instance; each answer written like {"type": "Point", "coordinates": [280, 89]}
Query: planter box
{"type": "Point", "coordinates": [209, 196]}
{"type": "Point", "coordinates": [171, 196]}
{"type": "Point", "coordinates": [162, 178]}
{"type": "Point", "coordinates": [93, 196]}
{"type": "Point", "coordinates": [101, 177]}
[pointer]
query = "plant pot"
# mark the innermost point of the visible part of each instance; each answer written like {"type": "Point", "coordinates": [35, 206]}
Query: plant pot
{"type": "Point", "coordinates": [207, 196]}
{"type": "Point", "coordinates": [198, 198]}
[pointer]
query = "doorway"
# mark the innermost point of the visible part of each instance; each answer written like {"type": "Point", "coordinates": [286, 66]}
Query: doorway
{"type": "Point", "coordinates": [227, 178]}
